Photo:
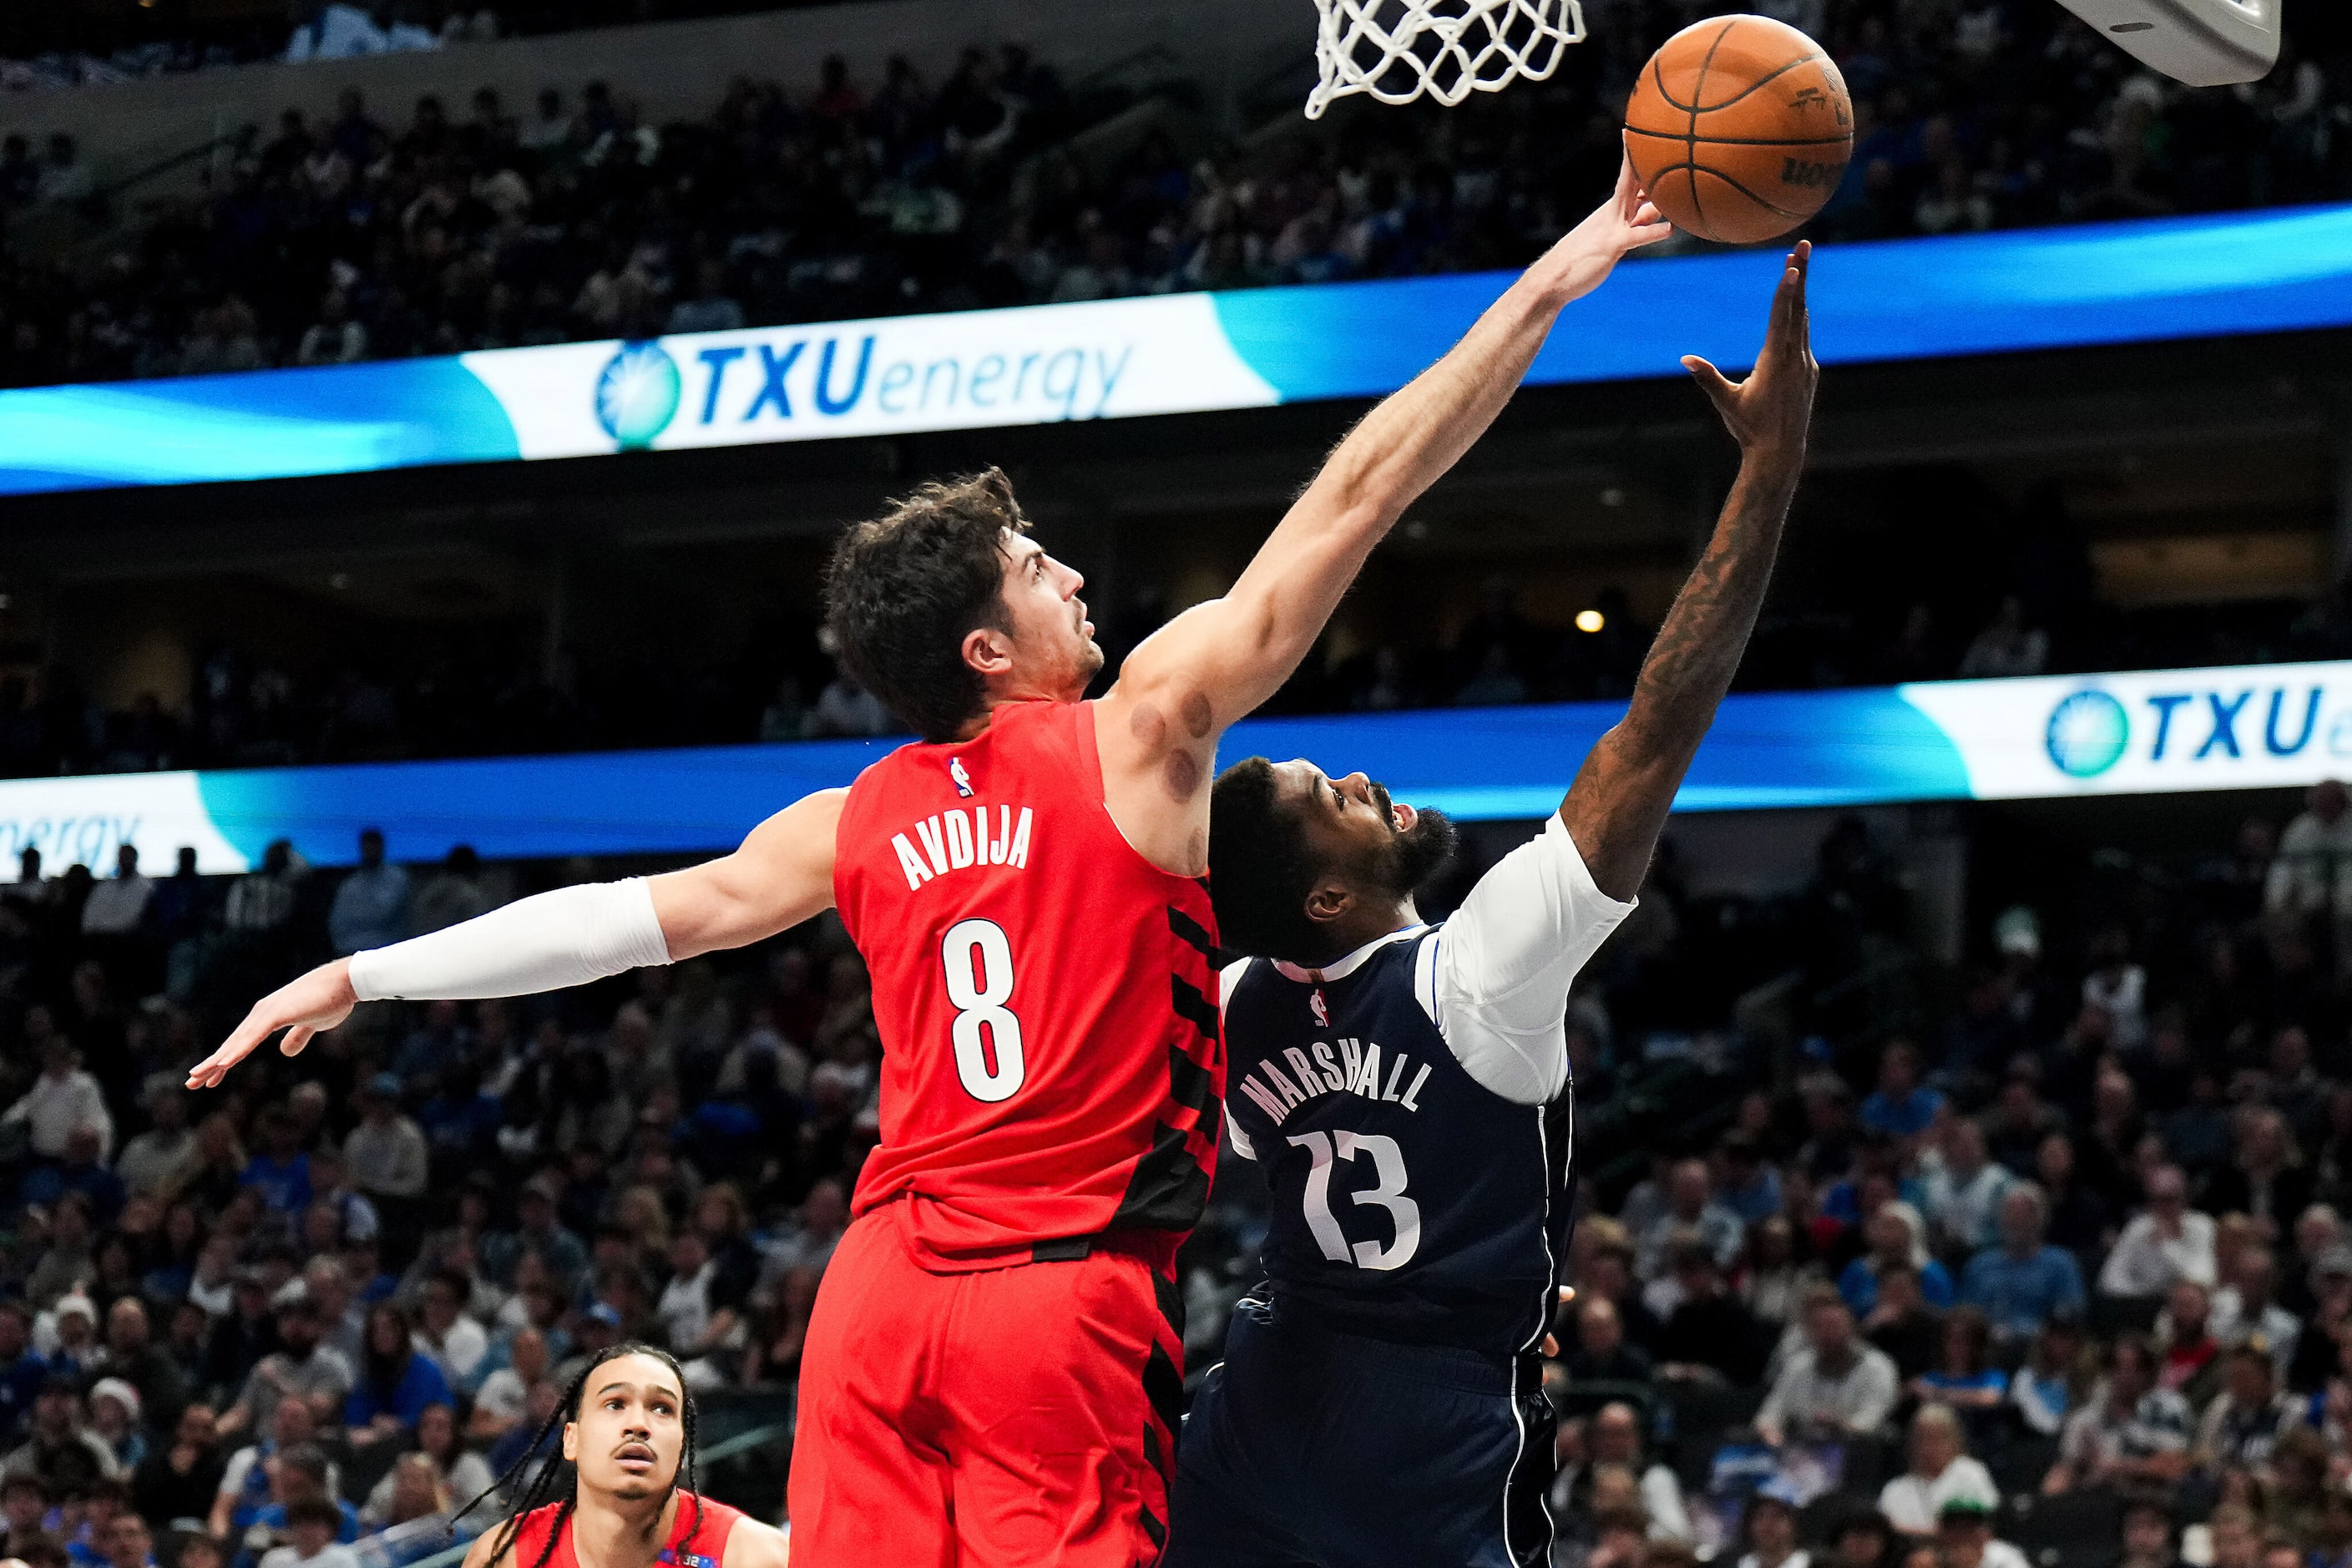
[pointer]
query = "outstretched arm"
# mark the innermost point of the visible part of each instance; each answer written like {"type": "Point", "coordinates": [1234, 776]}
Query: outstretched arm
{"type": "Point", "coordinates": [1618, 806]}
{"type": "Point", "coordinates": [1239, 649]}
{"type": "Point", "coordinates": [1157, 729]}
{"type": "Point", "coordinates": [781, 875]}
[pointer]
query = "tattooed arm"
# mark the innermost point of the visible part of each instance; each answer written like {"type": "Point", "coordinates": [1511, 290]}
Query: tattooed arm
{"type": "Point", "coordinates": [1619, 804]}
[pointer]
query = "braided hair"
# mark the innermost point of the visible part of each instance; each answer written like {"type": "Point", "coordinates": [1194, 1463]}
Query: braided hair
{"type": "Point", "coordinates": [541, 1487]}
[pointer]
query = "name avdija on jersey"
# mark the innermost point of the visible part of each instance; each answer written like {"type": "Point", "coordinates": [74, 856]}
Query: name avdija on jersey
{"type": "Point", "coordinates": [958, 840]}
{"type": "Point", "coordinates": [1355, 1070]}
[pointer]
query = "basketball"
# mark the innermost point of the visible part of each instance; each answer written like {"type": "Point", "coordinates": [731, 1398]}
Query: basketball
{"type": "Point", "coordinates": [1740, 128]}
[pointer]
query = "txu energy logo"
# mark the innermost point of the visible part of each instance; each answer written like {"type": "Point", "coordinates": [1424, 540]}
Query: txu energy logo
{"type": "Point", "coordinates": [637, 396]}
{"type": "Point", "coordinates": [2087, 734]}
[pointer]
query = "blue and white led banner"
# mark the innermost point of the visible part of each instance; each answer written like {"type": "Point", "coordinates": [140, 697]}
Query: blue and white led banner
{"type": "Point", "coordinates": [2253, 727]}
{"type": "Point", "coordinates": [2283, 271]}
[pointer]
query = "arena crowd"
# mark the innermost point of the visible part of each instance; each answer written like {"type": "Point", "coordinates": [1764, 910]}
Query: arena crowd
{"type": "Point", "coordinates": [463, 222]}
{"type": "Point", "coordinates": [2050, 1254]}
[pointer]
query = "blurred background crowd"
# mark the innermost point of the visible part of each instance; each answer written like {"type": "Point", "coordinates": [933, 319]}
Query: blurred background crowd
{"type": "Point", "coordinates": [2045, 1251]}
{"type": "Point", "coordinates": [461, 221]}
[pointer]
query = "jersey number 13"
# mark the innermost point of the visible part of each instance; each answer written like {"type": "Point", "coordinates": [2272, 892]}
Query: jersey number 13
{"type": "Point", "coordinates": [1387, 1166]}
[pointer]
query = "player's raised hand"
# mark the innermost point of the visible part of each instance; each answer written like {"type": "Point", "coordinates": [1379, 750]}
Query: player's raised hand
{"type": "Point", "coordinates": [1769, 411]}
{"type": "Point", "coordinates": [1588, 253]}
{"type": "Point", "coordinates": [302, 1006]}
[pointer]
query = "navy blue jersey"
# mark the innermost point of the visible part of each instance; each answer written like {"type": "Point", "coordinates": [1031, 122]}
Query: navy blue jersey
{"type": "Point", "coordinates": [1410, 1203]}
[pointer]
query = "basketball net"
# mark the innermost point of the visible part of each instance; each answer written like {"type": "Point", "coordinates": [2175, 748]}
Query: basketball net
{"type": "Point", "coordinates": [1399, 50]}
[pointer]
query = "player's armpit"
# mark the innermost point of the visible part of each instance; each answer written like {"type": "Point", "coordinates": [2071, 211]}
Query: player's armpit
{"type": "Point", "coordinates": [781, 875]}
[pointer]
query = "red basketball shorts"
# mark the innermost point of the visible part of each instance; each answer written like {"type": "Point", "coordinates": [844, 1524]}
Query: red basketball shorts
{"type": "Point", "coordinates": [1022, 1417]}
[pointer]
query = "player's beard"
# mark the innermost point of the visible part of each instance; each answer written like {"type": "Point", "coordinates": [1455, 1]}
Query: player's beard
{"type": "Point", "coordinates": [1413, 857]}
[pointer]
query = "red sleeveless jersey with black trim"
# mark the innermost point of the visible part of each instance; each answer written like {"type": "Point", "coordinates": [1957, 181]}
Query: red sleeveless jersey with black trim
{"type": "Point", "coordinates": [1051, 1062]}
{"type": "Point", "coordinates": [694, 1541]}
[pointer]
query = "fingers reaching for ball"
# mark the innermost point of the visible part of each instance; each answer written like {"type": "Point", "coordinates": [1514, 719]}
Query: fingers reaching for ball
{"type": "Point", "coordinates": [1770, 412]}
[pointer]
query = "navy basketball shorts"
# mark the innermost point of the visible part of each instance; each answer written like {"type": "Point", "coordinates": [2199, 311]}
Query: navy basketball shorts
{"type": "Point", "coordinates": [1312, 1448]}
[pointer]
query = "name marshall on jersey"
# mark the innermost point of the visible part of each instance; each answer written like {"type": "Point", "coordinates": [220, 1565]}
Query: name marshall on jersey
{"type": "Point", "coordinates": [958, 840]}
{"type": "Point", "coordinates": [1355, 1070]}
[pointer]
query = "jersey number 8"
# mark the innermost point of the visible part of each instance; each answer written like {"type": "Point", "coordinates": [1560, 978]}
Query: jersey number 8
{"type": "Point", "coordinates": [979, 963]}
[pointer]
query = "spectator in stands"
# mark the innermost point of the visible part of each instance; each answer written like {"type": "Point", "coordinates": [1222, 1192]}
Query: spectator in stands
{"type": "Point", "coordinates": [1746, 1184]}
{"type": "Point", "coordinates": [118, 906]}
{"type": "Point", "coordinates": [1708, 1333]}
{"type": "Point", "coordinates": [1963, 1378]}
{"type": "Point", "coordinates": [2052, 1384]}
{"type": "Point", "coordinates": [312, 1522]}
{"type": "Point", "coordinates": [2245, 1310]}
{"type": "Point", "coordinates": [395, 1384]}
{"type": "Point", "coordinates": [2242, 1425]}
{"type": "Point", "coordinates": [2189, 1349]}
{"type": "Point", "coordinates": [1613, 1438]}
{"type": "Point", "coordinates": [457, 892]}
{"type": "Point", "coordinates": [2007, 645]}
{"type": "Point", "coordinates": [1835, 1386]}
{"type": "Point", "coordinates": [2268, 1179]}
{"type": "Point", "coordinates": [1963, 1189]}
{"type": "Point", "coordinates": [22, 1370]}
{"type": "Point", "coordinates": [455, 1342]}
{"type": "Point", "coordinates": [1901, 1107]}
{"type": "Point", "coordinates": [1603, 1353]}
{"type": "Point", "coordinates": [334, 338]}
{"type": "Point", "coordinates": [1940, 1473]}
{"type": "Point", "coordinates": [1768, 1528]}
{"type": "Point", "coordinates": [386, 1155]}
{"type": "Point", "coordinates": [62, 1100]}
{"type": "Point", "coordinates": [2313, 870]}
{"type": "Point", "coordinates": [131, 1355]}
{"type": "Point", "coordinates": [2150, 1538]}
{"type": "Point", "coordinates": [2118, 988]}
{"type": "Point", "coordinates": [180, 1477]}
{"type": "Point", "coordinates": [2131, 1430]}
{"type": "Point", "coordinates": [1894, 1241]}
{"type": "Point", "coordinates": [303, 1368]}
{"type": "Point", "coordinates": [2166, 1242]}
{"type": "Point", "coordinates": [1964, 1537]}
{"type": "Point", "coordinates": [261, 901]}
{"type": "Point", "coordinates": [59, 1449]}
{"type": "Point", "coordinates": [153, 1161]}
{"type": "Point", "coordinates": [1691, 1211]}
{"type": "Point", "coordinates": [1902, 1323]}
{"type": "Point", "coordinates": [371, 907]}
{"type": "Point", "coordinates": [2024, 1282]}
{"type": "Point", "coordinates": [846, 707]}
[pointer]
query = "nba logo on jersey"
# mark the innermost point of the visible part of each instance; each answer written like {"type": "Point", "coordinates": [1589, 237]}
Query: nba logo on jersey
{"type": "Point", "coordinates": [1320, 1009]}
{"type": "Point", "coordinates": [962, 779]}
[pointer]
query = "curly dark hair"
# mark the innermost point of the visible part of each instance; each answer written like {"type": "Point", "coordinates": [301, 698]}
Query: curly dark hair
{"type": "Point", "coordinates": [1260, 871]}
{"type": "Point", "coordinates": [905, 588]}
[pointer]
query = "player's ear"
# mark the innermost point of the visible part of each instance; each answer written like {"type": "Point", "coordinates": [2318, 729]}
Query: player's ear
{"type": "Point", "coordinates": [988, 651]}
{"type": "Point", "coordinates": [1328, 902]}
{"type": "Point", "coordinates": [571, 1442]}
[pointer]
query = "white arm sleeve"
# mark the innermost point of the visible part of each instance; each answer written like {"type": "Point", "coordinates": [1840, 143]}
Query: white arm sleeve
{"type": "Point", "coordinates": [544, 943]}
{"type": "Point", "coordinates": [1227, 978]}
{"type": "Point", "coordinates": [1495, 977]}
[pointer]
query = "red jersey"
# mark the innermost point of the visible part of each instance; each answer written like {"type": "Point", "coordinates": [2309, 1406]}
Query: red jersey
{"type": "Point", "coordinates": [1051, 1062]}
{"type": "Point", "coordinates": [693, 1544]}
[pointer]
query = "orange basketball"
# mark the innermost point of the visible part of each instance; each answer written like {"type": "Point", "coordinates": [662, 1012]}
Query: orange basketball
{"type": "Point", "coordinates": [1740, 128]}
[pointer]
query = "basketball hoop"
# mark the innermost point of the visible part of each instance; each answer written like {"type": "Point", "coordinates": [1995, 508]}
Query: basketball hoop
{"type": "Point", "coordinates": [2204, 43]}
{"type": "Point", "coordinates": [1399, 50]}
